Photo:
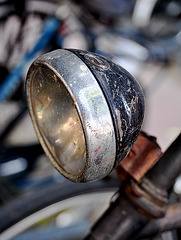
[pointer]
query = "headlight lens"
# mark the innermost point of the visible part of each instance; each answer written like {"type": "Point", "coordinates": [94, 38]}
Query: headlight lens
{"type": "Point", "coordinates": [58, 121]}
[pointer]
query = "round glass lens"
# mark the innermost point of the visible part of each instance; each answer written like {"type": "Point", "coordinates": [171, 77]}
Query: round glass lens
{"type": "Point", "coordinates": [58, 121]}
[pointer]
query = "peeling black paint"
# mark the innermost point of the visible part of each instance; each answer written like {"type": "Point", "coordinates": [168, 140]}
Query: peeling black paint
{"type": "Point", "coordinates": [124, 96]}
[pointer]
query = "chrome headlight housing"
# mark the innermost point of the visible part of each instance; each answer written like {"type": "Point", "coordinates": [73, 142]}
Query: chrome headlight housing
{"type": "Point", "coordinates": [87, 112]}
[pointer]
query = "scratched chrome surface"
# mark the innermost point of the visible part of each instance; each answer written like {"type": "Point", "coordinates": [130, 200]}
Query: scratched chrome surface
{"type": "Point", "coordinates": [85, 101]}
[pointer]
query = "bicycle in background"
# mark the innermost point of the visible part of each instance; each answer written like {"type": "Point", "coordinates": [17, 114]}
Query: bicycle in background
{"type": "Point", "coordinates": [110, 33]}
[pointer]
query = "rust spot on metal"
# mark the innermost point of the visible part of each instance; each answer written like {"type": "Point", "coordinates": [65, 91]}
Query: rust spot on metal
{"type": "Point", "coordinates": [119, 122]}
{"type": "Point", "coordinates": [55, 78]}
{"type": "Point", "coordinates": [144, 153]}
{"type": "Point", "coordinates": [123, 212]}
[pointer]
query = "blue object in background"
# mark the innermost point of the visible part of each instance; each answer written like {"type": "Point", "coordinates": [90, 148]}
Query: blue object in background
{"type": "Point", "coordinates": [14, 78]}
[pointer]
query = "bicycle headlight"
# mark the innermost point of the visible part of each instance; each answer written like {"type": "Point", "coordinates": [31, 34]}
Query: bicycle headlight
{"type": "Point", "coordinates": [86, 110]}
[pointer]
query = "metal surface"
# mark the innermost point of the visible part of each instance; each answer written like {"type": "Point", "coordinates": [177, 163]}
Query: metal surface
{"type": "Point", "coordinates": [120, 221]}
{"type": "Point", "coordinates": [135, 206]}
{"type": "Point", "coordinates": [168, 168]}
{"type": "Point", "coordinates": [59, 124]}
{"type": "Point", "coordinates": [172, 220]}
{"type": "Point", "coordinates": [124, 97]}
{"type": "Point", "coordinates": [138, 201]}
{"type": "Point", "coordinates": [91, 117]}
{"type": "Point", "coordinates": [99, 112]}
{"type": "Point", "coordinates": [151, 200]}
{"type": "Point", "coordinates": [148, 198]}
{"type": "Point", "coordinates": [143, 155]}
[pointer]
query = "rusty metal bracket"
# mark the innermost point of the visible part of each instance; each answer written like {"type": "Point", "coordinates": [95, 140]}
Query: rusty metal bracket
{"type": "Point", "coordinates": [143, 155]}
{"type": "Point", "coordinates": [146, 197]}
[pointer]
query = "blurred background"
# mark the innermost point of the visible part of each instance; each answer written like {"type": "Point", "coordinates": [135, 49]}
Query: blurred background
{"type": "Point", "coordinates": [143, 36]}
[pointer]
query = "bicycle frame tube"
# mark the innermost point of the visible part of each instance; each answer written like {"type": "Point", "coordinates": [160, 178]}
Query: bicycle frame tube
{"type": "Point", "coordinates": [168, 168]}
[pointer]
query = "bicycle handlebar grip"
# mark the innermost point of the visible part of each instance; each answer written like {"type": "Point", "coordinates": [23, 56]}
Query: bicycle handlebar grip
{"type": "Point", "coordinates": [87, 112]}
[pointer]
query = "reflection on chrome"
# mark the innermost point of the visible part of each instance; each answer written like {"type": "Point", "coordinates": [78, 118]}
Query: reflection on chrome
{"type": "Point", "coordinates": [59, 124]}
